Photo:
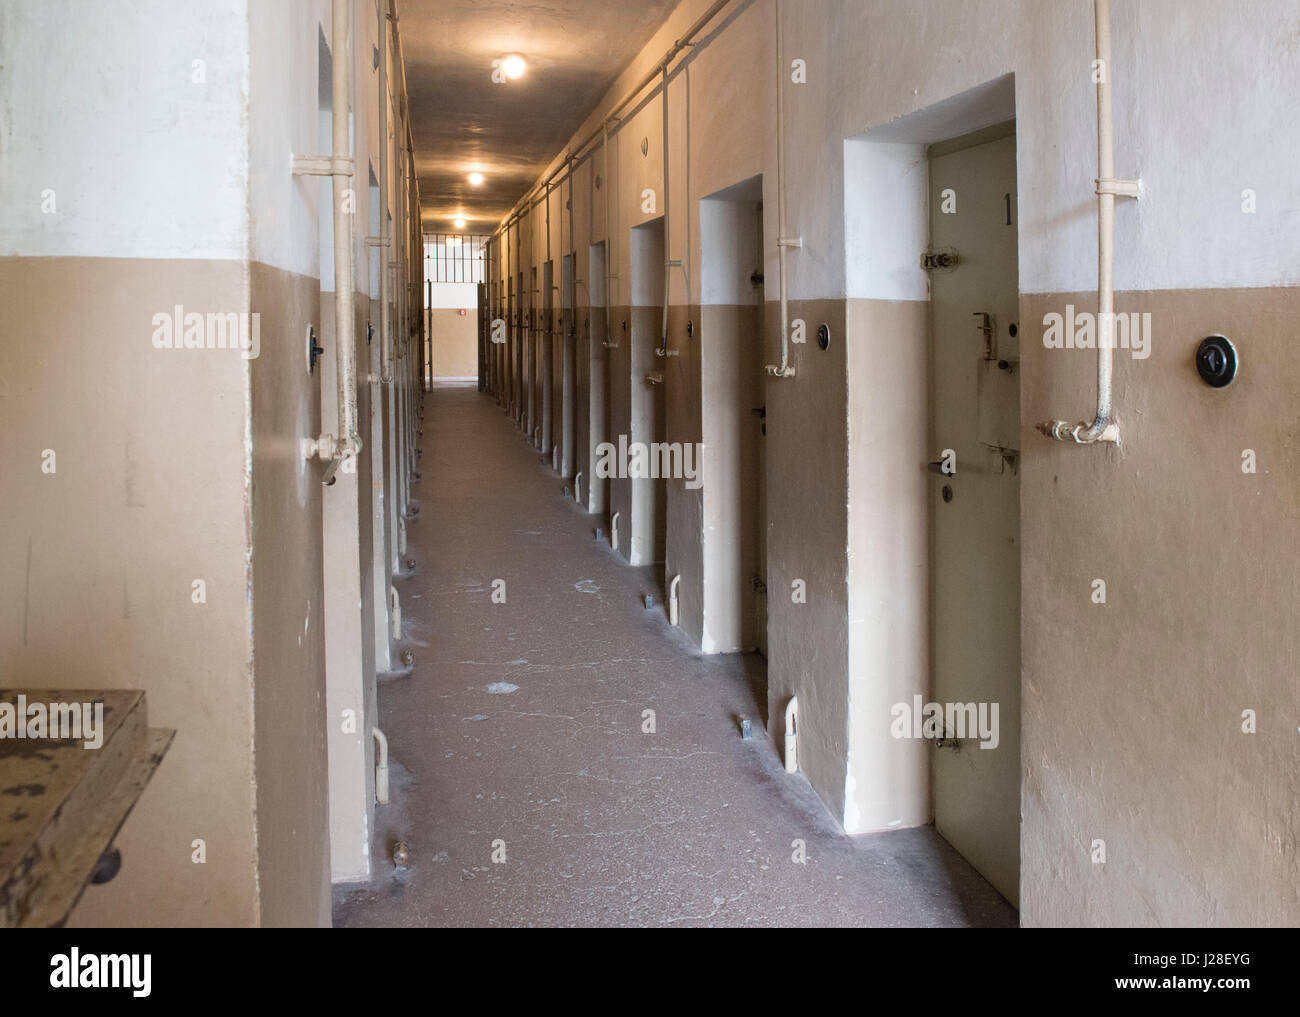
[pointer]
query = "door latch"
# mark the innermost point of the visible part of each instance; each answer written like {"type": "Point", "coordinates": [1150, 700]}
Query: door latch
{"type": "Point", "coordinates": [1007, 457]}
{"type": "Point", "coordinates": [986, 327]}
{"type": "Point", "coordinates": [943, 258]}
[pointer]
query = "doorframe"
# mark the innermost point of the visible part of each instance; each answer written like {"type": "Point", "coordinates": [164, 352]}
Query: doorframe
{"type": "Point", "coordinates": [888, 781]}
{"type": "Point", "coordinates": [646, 404]}
{"type": "Point", "coordinates": [728, 611]}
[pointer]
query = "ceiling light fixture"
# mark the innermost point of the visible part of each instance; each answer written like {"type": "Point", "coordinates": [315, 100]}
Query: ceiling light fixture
{"type": "Point", "coordinates": [459, 224]}
{"type": "Point", "coordinates": [513, 66]}
{"type": "Point", "coordinates": [476, 178]}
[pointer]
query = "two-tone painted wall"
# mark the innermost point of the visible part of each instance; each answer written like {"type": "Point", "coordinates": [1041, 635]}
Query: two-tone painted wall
{"type": "Point", "coordinates": [166, 530]}
{"type": "Point", "coordinates": [1134, 722]}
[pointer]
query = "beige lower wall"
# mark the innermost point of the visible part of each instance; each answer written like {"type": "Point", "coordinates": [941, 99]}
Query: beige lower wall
{"type": "Point", "coordinates": [807, 498]}
{"type": "Point", "coordinates": [1132, 710]}
{"type": "Point", "coordinates": [455, 342]}
{"type": "Point", "coordinates": [153, 490]}
{"type": "Point", "coordinates": [150, 494]}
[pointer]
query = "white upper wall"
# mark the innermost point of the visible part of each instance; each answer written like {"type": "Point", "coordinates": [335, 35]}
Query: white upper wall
{"type": "Point", "coordinates": [285, 119]}
{"type": "Point", "coordinates": [103, 109]}
{"type": "Point", "coordinates": [147, 162]}
{"type": "Point", "coordinates": [1204, 101]}
{"type": "Point", "coordinates": [1204, 98]}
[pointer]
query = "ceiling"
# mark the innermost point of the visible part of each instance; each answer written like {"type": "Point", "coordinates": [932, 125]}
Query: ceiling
{"type": "Point", "coordinates": [462, 121]}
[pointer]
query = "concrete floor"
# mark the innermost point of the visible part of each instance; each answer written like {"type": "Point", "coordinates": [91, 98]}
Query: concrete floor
{"type": "Point", "coordinates": [522, 724]}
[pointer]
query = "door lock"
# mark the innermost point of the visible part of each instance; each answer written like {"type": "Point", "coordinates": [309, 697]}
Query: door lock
{"type": "Point", "coordinates": [944, 259]}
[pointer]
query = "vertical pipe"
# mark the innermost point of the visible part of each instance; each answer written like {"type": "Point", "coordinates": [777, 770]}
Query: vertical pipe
{"type": "Point", "coordinates": [399, 344]}
{"type": "Point", "coordinates": [546, 363]}
{"type": "Point", "coordinates": [516, 348]}
{"type": "Point", "coordinates": [1105, 219]}
{"type": "Point", "coordinates": [663, 327]}
{"type": "Point", "coordinates": [508, 300]}
{"type": "Point", "coordinates": [344, 286]}
{"type": "Point", "coordinates": [1103, 427]}
{"type": "Point", "coordinates": [569, 326]}
{"type": "Point", "coordinates": [385, 256]}
{"type": "Point", "coordinates": [609, 241]}
{"type": "Point", "coordinates": [783, 370]}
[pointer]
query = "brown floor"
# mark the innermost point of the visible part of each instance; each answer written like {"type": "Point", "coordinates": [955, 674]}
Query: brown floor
{"type": "Point", "coordinates": [602, 825]}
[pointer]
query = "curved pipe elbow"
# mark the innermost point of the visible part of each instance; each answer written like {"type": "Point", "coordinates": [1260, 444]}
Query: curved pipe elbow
{"type": "Point", "coordinates": [1103, 429]}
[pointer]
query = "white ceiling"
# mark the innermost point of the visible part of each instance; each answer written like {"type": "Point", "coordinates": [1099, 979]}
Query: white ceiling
{"type": "Point", "coordinates": [462, 121]}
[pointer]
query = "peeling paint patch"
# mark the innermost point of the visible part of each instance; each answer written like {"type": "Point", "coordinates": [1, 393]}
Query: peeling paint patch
{"type": "Point", "coordinates": [502, 688]}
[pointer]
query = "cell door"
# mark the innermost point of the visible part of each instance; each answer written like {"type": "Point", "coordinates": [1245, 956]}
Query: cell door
{"type": "Point", "coordinates": [975, 500]}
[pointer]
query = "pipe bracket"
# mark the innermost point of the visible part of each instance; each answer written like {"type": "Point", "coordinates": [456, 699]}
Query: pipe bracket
{"type": "Point", "coordinates": [322, 166]}
{"type": "Point", "coordinates": [1120, 188]}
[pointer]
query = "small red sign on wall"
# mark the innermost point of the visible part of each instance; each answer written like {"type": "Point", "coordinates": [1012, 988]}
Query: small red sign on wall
{"type": "Point", "coordinates": [462, 312]}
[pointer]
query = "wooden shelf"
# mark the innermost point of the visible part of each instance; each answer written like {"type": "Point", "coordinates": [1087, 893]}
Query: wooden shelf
{"type": "Point", "coordinates": [61, 803]}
